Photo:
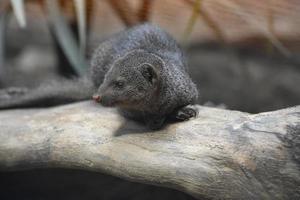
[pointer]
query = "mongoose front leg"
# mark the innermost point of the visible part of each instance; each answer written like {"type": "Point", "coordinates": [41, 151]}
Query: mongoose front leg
{"type": "Point", "coordinates": [184, 113]}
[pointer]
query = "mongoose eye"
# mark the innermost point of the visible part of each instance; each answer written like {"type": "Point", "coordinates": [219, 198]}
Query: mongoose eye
{"type": "Point", "coordinates": [119, 84]}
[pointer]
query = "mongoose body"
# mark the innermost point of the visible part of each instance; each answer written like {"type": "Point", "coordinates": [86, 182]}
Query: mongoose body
{"type": "Point", "coordinates": [142, 71]}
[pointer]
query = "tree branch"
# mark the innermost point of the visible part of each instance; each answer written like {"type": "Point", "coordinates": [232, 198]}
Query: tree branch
{"type": "Point", "coordinates": [222, 154]}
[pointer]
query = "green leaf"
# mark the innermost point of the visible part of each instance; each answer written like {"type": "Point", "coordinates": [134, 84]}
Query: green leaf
{"type": "Point", "coordinates": [66, 37]}
{"type": "Point", "coordinates": [192, 19]}
{"type": "Point", "coordinates": [81, 19]}
{"type": "Point", "coordinates": [3, 22]}
{"type": "Point", "coordinates": [19, 11]}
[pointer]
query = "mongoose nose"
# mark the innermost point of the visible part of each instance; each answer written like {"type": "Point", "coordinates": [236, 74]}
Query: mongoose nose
{"type": "Point", "coordinates": [96, 97]}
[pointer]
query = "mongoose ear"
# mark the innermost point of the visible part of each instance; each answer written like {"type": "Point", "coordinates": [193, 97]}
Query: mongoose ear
{"type": "Point", "coordinates": [149, 72]}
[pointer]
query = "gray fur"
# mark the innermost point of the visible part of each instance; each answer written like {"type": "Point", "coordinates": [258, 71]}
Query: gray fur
{"type": "Point", "coordinates": [152, 69]}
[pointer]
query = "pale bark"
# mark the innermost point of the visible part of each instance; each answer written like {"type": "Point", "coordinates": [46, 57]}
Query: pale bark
{"type": "Point", "coordinates": [221, 154]}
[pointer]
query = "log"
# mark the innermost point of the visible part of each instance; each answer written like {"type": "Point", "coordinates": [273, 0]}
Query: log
{"type": "Point", "coordinates": [221, 154]}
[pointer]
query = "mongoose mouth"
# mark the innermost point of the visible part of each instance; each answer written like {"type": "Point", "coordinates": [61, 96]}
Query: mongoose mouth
{"type": "Point", "coordinates": [108, 102]}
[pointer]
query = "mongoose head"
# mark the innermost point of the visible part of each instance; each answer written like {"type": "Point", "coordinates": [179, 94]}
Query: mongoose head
{"type": "Point", "coordinates": [132, 81]}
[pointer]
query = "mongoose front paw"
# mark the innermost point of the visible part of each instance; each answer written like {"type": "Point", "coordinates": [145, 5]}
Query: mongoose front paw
{"type": "Point", "coordinates": [186, 113]}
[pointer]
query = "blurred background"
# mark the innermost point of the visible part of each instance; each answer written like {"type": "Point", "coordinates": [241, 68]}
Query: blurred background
{"type": "Point", "coordinates": [242, 54]}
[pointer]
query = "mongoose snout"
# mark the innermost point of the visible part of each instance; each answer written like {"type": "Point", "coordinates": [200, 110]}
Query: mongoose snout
{"type": "Point", "coordinates": [104, 99]}
{"type": "Point", "coordinates": [96, 97]}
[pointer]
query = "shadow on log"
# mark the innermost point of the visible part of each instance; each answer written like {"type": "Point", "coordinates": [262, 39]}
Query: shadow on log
{"type": "Point", "coordinates": [221, 154]}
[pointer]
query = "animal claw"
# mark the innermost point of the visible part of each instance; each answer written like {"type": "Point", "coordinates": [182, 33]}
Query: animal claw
{"type": "Point", "coordinates": [185, 113]}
